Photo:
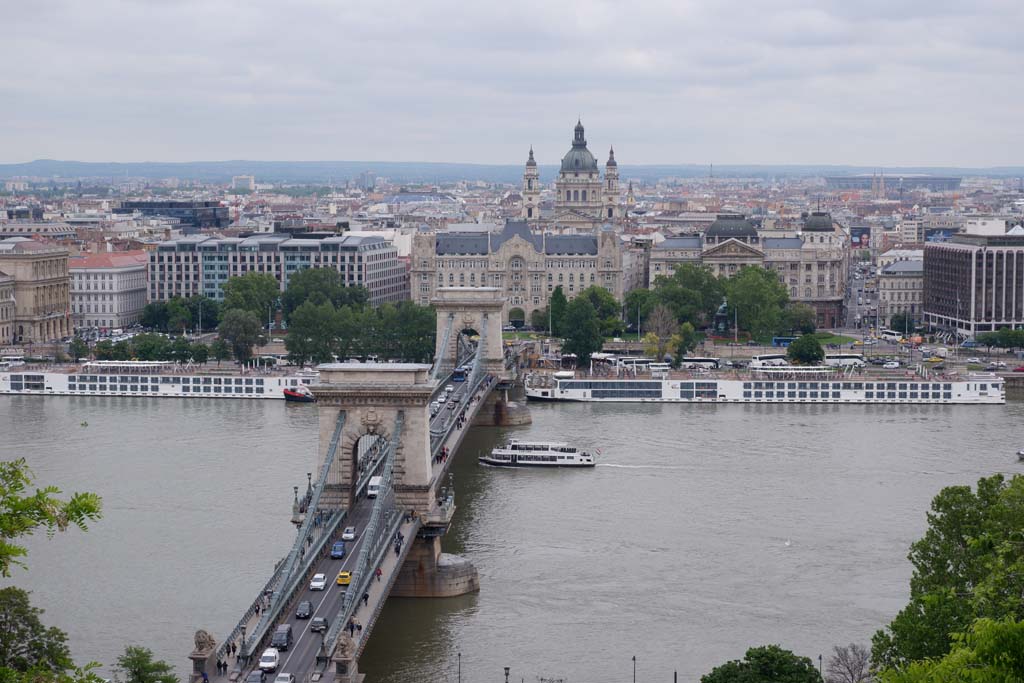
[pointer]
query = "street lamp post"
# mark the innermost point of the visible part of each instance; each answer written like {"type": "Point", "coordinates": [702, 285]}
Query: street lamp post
{"type": "Point", "coordinates": [460, 667]}
{"type": "Point", "coordinates": [506, 674]}
{"type": "Point", "coordinates": [634, 668]}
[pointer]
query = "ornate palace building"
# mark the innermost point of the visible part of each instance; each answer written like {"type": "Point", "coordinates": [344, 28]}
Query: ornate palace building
{"type": "Point", "coordinates": [812, 262]}
{"type": "Point", "coordinates": [584, 200]}
{"type": "Point", "coordinates": [526, 266]}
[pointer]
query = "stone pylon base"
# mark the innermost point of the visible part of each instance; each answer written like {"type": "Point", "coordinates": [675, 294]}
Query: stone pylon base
{"type": "Point", "coordinates": [500, 411]}
{"type": "Point", "coordinates": [429, 573]}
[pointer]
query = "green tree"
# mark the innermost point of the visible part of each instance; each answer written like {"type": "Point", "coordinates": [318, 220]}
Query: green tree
{"type": "Point", "coordinates": [318, 286]}
{"type": "Point", "coordinates": [609, 313]}
{"type": "Point", "coordinates": [558, 305]}
{"type": "Point", "coordinates": [758, 297]}
{"type": "Point", "coordinates": [692, 292]}
{"type": "Point", "coordinates": [969, 564]}
{"type": "Point", "coordinates": [539, 319]}
{"type": "Point", "coordinates": [766, 664]}
{"type": "Point", "coordinates": [122, 350]}
{"type": "Point", "coordinates": [991, 651]}
{"type": "Point", "coordinates": [151, 347]}
{"type": "Point", "coordinates": [24, 642]}
{"type": "Point", "coordinates": [180, 350]}
{"type": "Point", "coordinates": [154, 316]}
{"type": "Point", "coordinates": [23, 511]}
{"type": "Point", "coordinates": [178, 315]}
{"type": "Point", "coordinates": [256, 293]}
{"type": "Point", "coordinates": [206, 307]}
{"type": "Point", "coordinates": [104, 350]}
{"type": "Point", "coordinates": [78, 349]}
{"type": "Point", "coordinates": [687, 341]}
{"type": "Point", "coordinates": [311, 333]}
{"type": "Point", "coordinates": [516, 317]}
{"type": "Point", "coordinates": [806, 350]}
{"type": "Point", "coordinates": [902, 323]}
{"type": "Point", "coordinates": [241, 330]}
{"type": "Point", "coordinates": [200, 353]}
{"type": "Point", "coordinates": [582, 330]}
{"type": "Point", "coordinates": [801, 319]}
{"type": "Point", "coordinates": [220, 350]}
{"type": "Point", "coordinates": [662, 327]}
{"type": "Point", "coordinates": [639, 302]}
{"type": "Point", "coordinates": [417, 329]}
{"type": "Point", "coordinates": [137, 665]}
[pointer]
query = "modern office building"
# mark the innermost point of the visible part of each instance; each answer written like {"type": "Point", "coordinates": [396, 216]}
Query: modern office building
{"type": "Point", "coordinates": [41, 289]}
{"type": "Point", "coordinates": [193, 215]}
{"type": "Point", "coordinates": [108, 290]}
{"type": "Point", "coordinates": [526, 266]}
{"type": "Point", "coordinates": [201, 265]}
{"type": "Point", "coordinates": [975, 283]}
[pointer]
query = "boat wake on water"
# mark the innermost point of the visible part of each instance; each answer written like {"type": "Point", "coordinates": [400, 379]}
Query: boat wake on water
{"type": "Point", "coordinates": [640, 467]}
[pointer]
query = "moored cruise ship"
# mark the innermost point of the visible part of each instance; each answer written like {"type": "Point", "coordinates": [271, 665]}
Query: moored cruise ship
{"type": "Point", "coordinates": [775, 385]}
{"type": "Point", "coordinates": [154, 379]}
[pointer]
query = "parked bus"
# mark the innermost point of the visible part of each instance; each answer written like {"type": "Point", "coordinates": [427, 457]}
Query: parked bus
{"type": "Point", "coordinates": [845, 360]}
{"type": "Point", "coordinates": [693, 363]}
{"type": "Point", "coordinates": [890, 336]}
{"type": "Point", "coordinates": [769, 360]}
{"type": "Point", "coordinates": [659, 370]}
{"type": "Point", "coordinates": [633, 363]}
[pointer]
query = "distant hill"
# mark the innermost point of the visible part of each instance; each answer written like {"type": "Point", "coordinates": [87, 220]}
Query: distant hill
{"type": "Point", "coordinates": [415, 172]}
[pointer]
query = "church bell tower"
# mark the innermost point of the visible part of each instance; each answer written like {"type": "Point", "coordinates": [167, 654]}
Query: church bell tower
{"type": "Point", "coordinates": [531, 189]}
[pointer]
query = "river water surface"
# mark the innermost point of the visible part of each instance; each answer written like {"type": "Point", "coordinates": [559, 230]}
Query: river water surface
{"type": "Point", "coordinates": [704, 529]}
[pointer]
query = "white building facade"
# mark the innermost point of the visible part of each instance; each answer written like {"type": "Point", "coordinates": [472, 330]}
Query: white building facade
{"type": "Point", "coordinates": [108, 290]}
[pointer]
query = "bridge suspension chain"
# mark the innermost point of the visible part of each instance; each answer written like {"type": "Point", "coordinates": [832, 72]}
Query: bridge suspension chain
{"type": "Point", "coordinates": [443, 348]}
{"type": "Point", "coordinates": [292, 569]}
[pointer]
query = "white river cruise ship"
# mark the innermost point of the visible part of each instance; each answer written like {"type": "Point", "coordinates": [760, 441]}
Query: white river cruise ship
{"type": "Point", "coordinates": [772, 385]}
{"type": "Point", "coordinates": [144, 378]}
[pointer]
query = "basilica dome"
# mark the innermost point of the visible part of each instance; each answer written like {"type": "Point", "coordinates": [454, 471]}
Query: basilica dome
{"type": "Point", "coordinates": [579, 159]}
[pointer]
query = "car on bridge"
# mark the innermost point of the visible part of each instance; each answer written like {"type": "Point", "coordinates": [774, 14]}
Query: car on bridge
{"type": "Point", "coordinates": [318, 582]}
{"type": "Point", "coordinates": [304, 610]}
{"type": "Point", "coordinates": [344, 578]}
{"type": "Point", "coordinates": [319, 625]}
{"type": "Point", "coordinates": [338, 550]}
{"type": "Point", "coordinates": [256, 676]}
{"type": "Point", "coordinates": [269, 659]}
{"type": "Point", "coordinates": [349, 534]}
{"type": "Point", "coordinates": [285, 678]}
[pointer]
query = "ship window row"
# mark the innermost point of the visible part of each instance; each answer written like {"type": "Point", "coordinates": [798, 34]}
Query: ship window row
{"type": "Point", "coordinates": [605, 384]}
{"type": "Point", "coordinates": [142, 379]}
{"type": "Point", "coordinates": [855, 386]}
{"type": "Point", "coordinates": [205, 389]}
{"type": "Point", "coordinates": [702, 393]}
{"type": "Point", "coordinates": [626, 393]}
{"type": "Point", "coordinates": [698, 386]}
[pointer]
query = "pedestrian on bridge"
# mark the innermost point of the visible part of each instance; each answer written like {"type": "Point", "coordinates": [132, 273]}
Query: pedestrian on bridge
{"type": "Point", "coordinates": [378, 572]}
{"type": "Point", "coordinates": [234, 649]}
{"type": "Point", "coordinates": [206, 679]}
{"type": "Point", "coordinates": [366, 599]}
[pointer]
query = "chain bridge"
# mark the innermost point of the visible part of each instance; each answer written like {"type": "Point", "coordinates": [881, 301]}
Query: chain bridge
{"type": "Point", "coordinates": [381, 469]}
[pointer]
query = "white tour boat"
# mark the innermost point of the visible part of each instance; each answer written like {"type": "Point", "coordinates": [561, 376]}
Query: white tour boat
{"type": "Point", "coordinates": [538, 454]}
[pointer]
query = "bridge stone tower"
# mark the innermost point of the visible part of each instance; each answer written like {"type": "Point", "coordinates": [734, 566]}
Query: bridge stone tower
{"type": "Point", "coordinates": [469, 308]}
{"type": "Point", "coordinates": [371, 394]}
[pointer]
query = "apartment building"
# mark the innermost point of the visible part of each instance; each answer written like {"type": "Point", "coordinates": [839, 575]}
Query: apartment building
{"type": "Point", "coordinates": [108, 290]}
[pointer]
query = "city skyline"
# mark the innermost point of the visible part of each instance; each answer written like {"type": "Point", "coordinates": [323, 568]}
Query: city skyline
{"type": "Point", "coordinates": [665, 83]}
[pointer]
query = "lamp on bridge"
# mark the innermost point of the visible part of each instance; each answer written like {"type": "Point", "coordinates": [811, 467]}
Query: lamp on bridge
{"type": "Point", "coordinates": [506, 674]}
{"type": "Point", "coordinates": [241, 646]}
{"type": "Point", "coordinates": [296, 519]}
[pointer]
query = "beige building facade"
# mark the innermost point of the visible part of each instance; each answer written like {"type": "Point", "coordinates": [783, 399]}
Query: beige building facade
{"type": "Point", "coordinates": [901, 290]}
{"type": "Point", "coordinates": [525, 267]}
{"type": "Point", "coordinates": [41, 289]}
{"type": "Point", "coordinates": [108, 290]}
{"type": "Point", "coordinates": [812, 262]}
{"type": "Point", "coordinates": [6, 309]}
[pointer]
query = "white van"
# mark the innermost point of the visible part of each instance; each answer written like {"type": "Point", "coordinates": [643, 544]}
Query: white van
{"type": "Point", "coordinates": [373, 488]}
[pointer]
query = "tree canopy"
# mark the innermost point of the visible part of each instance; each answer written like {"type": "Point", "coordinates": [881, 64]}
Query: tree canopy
{"type": "Point", "coordinates": [609, 313]}
{"type": "Point", "coordinates": [254, 292]}
{"type": "Point", "coordinates": [990, 652]}
{"type": "Point", "coordinates": [318, 286]}
{"type": "Point", "coordinates": [26, 644]}
{"type": "Point", "coordinates": [968, 565]}
{"type": "Point", "coordinates": [558, 305]}
{"type": "Point", "coordinates": [1003, 339]}
{"type": "Point", "coordinates": [800, 319]}
{"type": "Point", "coordinates": [137, 665]}
{"type": "Point", "coordinates": [23, 511]}
{"type": "Point", "coordinates": [241, 329]}
{"type": "Point", "coordinates": [806, 350]}
{"type": "Point", "coordinates": [582, 330]}
{"type": "Point", "coordinates": [758, 298]}
{"type": "Point", "coordinates": [766, 664]}
{"type": "Point", "coordinates": [692, 292]}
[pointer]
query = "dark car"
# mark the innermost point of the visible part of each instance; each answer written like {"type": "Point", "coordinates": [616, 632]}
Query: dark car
{"type": "Point", "coordinates": [256, 676]}
{"type": "Point", "coordinates": [319, 625]}
{"type": "Point", "coordinates": [304, 610]}
{"type": "Point", "coordinates": [338, 550]}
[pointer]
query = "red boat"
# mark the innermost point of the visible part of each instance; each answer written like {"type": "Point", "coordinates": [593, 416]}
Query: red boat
{"type": "Point", "coordinates": [299, 395]}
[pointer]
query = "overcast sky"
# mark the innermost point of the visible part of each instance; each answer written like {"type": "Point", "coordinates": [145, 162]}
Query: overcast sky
{"type": "Point", "coordinates": [869, 82]}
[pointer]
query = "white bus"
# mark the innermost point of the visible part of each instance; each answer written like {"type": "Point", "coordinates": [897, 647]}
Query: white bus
{"type": "Point", "coordinates": [769, 360]}
{"type": "Point", "coordinates": [845, 360]}
{"type": "Point", "coordinates": [693, 363]}
{"type": "Point", "coordinates": [373, 488]}
{"type": "Point", "coordinates": [890, 336]}
{"type": "Point", "coordinates": [659, 370]}
{"type": "Point", "coordinates": [633, 363]}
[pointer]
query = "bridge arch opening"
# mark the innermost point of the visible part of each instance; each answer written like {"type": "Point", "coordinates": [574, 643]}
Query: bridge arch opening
{"type": "Point", "coordinates": [367, 457]}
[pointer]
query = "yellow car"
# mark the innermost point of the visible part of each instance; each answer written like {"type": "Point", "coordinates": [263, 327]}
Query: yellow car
{"type": "Point", "coordinates": [858, 343]}
{"type": "Point", "coordinates": [344, 578]}
{"type": "Point", "coordinates": [934, 359]}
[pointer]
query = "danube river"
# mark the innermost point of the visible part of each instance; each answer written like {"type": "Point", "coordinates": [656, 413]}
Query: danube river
{"type": "Point", "coordinates": [704, 530]}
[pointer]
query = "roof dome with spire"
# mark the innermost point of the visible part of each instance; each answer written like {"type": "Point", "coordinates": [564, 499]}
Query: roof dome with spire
{"type": "Point", "coordinates": [531, 161]}
{"type": "Point", "coordinates": [611, 157]}
{"type": "Point", "coordinates": [579, 159]}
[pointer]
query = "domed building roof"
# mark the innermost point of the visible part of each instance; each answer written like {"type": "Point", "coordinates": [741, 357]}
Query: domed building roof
{"type": "Point", "coordinates": [579, 159]}
{"type": "Point", "coordinates": [729, 225]}
{"type": "Point", "coordinates": [818, 221]}
{"type": "Point", "coordinates": [611, 157]}
{"type": "Point", "coordinates": [531, 161]}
